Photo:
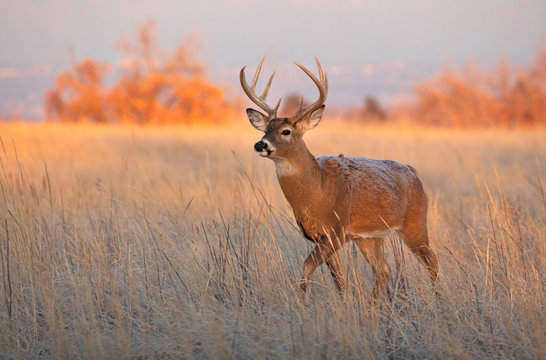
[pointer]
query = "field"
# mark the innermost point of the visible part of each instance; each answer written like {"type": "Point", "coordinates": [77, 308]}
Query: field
{"type": "Point", "coordinates": [176, 242]}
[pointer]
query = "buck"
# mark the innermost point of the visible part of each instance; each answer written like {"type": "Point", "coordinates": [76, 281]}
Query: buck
{"type": "Point", "coordinates": [338, 199]}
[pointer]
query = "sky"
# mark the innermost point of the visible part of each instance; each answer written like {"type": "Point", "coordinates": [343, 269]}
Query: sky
{"type": "Point", "coordinates": [378, 48]}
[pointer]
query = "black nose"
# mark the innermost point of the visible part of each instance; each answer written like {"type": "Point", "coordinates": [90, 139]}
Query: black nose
{"type": "Point", "coordinates": [260, 145]}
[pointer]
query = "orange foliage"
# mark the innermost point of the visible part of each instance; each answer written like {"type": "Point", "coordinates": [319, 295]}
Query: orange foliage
{"type": "Point", "coordinates": [508, 97]}
{"type": "Point", "coordinates": [78, 95]}
{"type": "Point", "coordinates": [154, 87]}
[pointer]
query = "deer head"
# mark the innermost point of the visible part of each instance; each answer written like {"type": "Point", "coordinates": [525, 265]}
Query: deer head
{"type": "Point", "coordinates": [283, 135]}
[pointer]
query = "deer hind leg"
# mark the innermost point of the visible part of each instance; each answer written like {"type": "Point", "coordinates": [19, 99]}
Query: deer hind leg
{"type": "Point", "coordinates": [324, 251]}
{"type": "Point", "coordinates": [415, 235]}
{"type": "Point", "coordinates": [372, 249]}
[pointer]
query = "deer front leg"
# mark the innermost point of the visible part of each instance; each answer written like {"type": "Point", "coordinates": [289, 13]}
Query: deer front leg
{"type": "Point", "coordinates": [324, 250]}
{"type": "Point", "coordinates": [334, 264]}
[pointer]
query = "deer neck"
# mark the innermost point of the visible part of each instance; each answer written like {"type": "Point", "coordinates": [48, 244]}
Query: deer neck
{"type": "Point", "coordinates": [300, 178]}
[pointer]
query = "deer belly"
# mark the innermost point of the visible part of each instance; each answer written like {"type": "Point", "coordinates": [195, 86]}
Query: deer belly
{"type": "Point", "coordinates": [375, 234]}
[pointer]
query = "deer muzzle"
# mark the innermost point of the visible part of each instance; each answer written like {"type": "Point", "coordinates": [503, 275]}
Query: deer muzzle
{"type": "Point", "coordinates": [264, 148]}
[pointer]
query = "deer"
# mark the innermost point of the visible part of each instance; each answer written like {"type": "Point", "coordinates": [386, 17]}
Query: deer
{"type": "Point", "coordinates": [340, 199]}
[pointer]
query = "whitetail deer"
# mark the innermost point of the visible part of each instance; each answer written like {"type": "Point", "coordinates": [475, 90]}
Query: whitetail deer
{"type": "Point", "coordinates": [337, 199]}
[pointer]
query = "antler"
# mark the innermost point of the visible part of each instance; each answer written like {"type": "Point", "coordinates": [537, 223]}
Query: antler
{"type": "Point", "coordinates": [322, 86]}
{"type": "Point", "coordinates": [259, 100]}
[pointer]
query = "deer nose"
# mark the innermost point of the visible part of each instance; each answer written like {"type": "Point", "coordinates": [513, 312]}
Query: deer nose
{"type": "Point", "coordinates": [260, 146]}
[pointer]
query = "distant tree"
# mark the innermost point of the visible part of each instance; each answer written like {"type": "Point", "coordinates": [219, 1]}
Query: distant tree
{"type": "Point", "coordinates": [373, 110]}
{"type": "Point", "coordinates": [291, 103]}
{"type": "Point", "coordinates": [155, 86]}
{"type": "Point", "coordinates": [524, 102]}
{"type": "Point", "coordinates": [453, 99]}
{"type": "Point", "coordinates": [161, 87]}
{"type": "Point", "coordinates": [506, 97]}
{"type": "Point", "coordinates": [78, 94]}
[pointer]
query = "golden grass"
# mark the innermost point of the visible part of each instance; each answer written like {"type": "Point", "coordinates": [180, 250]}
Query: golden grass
{"type": "Point", "coordinates": [128, 242]}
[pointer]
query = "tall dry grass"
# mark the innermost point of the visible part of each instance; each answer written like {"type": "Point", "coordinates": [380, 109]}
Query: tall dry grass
{"type": "Point", "coordinates": [122, 242]}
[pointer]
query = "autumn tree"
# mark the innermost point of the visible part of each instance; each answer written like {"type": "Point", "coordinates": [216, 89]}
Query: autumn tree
{"type": "Point", "coordinates": [507, 97]}
{"type": "Point", "coordinates": [78, 94]}
{"type": "Point", "coordinates": [154, 86]}
{"type": "Point", "coordinates": [160, 87]}
{"type": "Point", "coordinates": [372, 110]}
{"type": "Point", "coordinates": [524, 99]}
{"type": "Point", "coordinates": [290, 104]}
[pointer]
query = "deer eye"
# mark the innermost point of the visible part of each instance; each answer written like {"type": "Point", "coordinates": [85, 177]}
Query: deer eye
{"type": "Point", "coordinates": [286, 132]}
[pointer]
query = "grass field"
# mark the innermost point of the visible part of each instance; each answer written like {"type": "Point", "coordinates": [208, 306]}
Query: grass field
{"type": "Point", "coordinates": [128, 242]}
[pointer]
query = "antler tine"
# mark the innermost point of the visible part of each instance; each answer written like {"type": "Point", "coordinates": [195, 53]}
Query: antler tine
{"type": "Point", "coordinates": [257, 74]}
{"type": "Point", "coordinates": [266, 90]}
{"type": "Point", "coordinates": [322, 86]}
{"type": "Point", "coordinates": [313, 77]}
{"type": "Point", "coordinates": [278, 104]}
{"type": "Point", "coordinates": [300, 106]}
{"type": "Point", "coordinates": [323, 76]}
{"type": "Point", "coordinates": [321, 73]}
{"type": "Point", "coordinates": [250, 92]}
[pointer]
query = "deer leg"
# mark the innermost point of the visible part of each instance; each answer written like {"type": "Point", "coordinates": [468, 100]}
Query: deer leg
{"type": "Point", "coordinates": [372, 249]}
{"type": "Point", "coordinates": [334, 264]}
{"type": "Point", "coordinates": [416, 237]}
{"type": "Point", "coordinates": [324, 249]}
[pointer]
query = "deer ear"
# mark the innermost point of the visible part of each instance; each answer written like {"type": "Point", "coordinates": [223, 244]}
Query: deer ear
{"type": "Point", "coordinates": [257, 119]}
{"type": "Point", "coordinates": [313, 119]}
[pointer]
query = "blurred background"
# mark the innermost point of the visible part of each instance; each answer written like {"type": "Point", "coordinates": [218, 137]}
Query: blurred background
{"type": "Point", "coordinates": [464, 63]}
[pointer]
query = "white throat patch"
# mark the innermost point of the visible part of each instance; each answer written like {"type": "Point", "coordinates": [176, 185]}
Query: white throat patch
{"type": "Point", "coordinates": [284, 168]}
